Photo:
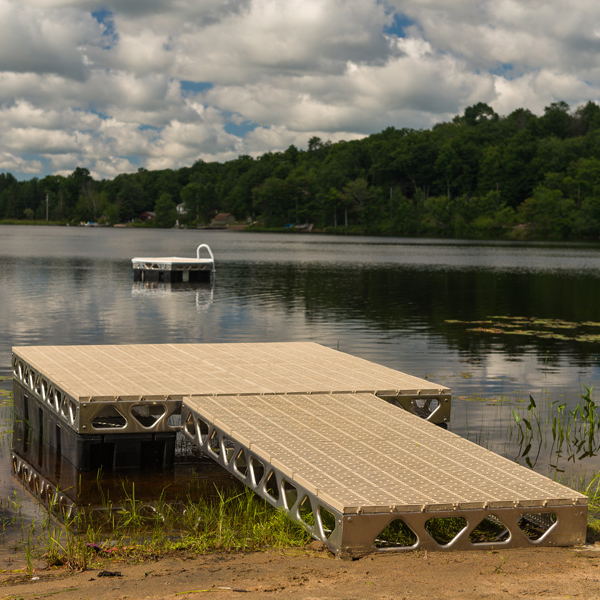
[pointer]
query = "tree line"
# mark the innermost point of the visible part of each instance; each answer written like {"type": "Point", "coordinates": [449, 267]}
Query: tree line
{"type": "Point", "coordinates": [481, 175]}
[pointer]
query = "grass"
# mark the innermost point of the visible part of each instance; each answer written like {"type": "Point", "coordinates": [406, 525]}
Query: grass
{"type": "Point", "coordinates": [133, 530]}
{"type": "Point", "coordinates": [559, 438]}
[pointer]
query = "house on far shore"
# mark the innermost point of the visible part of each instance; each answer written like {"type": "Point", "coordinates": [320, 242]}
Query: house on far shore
{"type": "Point", "coordinates": [181, 209]}
{"type": "Point", "coordinates": [147, 215]}
{"type": "Point", "coordinates": [222, 220]}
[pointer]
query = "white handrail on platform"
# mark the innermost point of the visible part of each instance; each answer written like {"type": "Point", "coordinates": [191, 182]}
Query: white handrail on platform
{"type": "Point", "coordinates": [209, 252]}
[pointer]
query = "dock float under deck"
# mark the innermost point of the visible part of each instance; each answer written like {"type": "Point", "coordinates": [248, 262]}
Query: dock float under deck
{"type": "Point", "coordinates": [351, 467]}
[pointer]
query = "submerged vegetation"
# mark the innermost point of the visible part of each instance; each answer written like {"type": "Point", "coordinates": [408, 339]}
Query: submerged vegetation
{"type": "Point", "coordinates": [550, 329]}
{"type": "Point", "coordinates": [519, 176]}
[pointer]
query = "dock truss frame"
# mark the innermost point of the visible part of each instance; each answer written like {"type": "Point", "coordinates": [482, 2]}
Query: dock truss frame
{"type": "Point", "coordinates": [353, 531]}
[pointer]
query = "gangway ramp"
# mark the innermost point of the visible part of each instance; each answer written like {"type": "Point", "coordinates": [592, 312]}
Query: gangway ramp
{"type": "Point", "coordinates": [353, 469]}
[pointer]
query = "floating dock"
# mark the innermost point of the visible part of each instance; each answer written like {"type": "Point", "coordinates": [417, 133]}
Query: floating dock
{"type": "Point", "coordinates": [312, 430]}
{"type": "Point", "coordinates": [118, 405]}
{"type": "Point", "coordinates": [175, 269]}
{"type": "Point", "coordinates": [363, 476]}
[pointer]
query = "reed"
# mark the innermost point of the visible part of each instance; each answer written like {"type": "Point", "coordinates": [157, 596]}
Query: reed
{"type": "Point", "coordinates": [567, 435]}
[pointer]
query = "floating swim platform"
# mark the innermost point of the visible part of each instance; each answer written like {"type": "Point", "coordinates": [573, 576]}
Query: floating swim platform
{"type": "Point", "coordinates": [175, 269]}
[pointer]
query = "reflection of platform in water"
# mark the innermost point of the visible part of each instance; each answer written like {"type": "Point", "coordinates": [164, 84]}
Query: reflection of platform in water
{"type": "Point", "coordinates": [353, 468]}
{"type": "Point", "coordinates": [204, 291]}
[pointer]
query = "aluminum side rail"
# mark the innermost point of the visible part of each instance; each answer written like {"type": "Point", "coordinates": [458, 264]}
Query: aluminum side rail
{"type": "Point", "coordinates": [362, 476]}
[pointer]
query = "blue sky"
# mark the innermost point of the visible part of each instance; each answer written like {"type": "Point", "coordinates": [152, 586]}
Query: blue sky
{"type": "Point", "coordinates": [122, 84]}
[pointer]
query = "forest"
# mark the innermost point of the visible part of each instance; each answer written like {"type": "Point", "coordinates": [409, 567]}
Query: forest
{"type": "Point", "coordinates": [519, 176]}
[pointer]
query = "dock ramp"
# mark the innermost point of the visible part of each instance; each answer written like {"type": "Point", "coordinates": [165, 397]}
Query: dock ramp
{"type": "Point", "coordinates": [363, 476]}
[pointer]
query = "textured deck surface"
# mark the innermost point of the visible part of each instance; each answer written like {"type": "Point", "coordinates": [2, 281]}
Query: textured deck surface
{"type": "Point", "coordinates": [160, 371]}
{"type": "Point", "coordinates": [359, 454]}
{"type": "Point", "coordinates": [173, 260]}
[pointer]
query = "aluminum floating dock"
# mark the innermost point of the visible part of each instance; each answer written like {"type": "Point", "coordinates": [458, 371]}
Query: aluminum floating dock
{"type": "Point", "coordinates": [175, 269]}
{"type": "Point", "coordinates": [310, 429]}
{"type": "Point", "coordinates": [124, 402]}
{"type": "Point", "coordinates": [363, 476]}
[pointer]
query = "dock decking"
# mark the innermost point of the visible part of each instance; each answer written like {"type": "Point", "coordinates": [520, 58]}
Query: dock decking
{"type": "Point", "coordinates": [139, 388]}
{"type": "Point", "coordinates": [347, 466]}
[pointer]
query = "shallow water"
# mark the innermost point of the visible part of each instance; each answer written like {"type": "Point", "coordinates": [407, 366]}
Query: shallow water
{"type": "Point", "coordinates": [389, 300]}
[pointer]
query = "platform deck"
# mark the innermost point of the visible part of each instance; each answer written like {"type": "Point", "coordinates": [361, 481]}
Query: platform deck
{"type": "Point", "coordinates": [347, 465]}
{"type": "Point", "coordinates": [172, 261]}
{"type": "Point", "coordinates": [137, 388]}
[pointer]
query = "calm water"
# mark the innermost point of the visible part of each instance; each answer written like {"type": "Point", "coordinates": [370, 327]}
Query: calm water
{"type": "Point", "coordinates": [386, 300]}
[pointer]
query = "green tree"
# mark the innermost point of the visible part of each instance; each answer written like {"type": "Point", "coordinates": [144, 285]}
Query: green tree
{"type": "Point", "coordinates": [548, 213]}
{"type": "Point", "coordinates": [166, 211]}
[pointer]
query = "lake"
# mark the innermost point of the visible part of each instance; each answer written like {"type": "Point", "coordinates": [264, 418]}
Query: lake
{"type": "Point", "coordinates": [496, 322]}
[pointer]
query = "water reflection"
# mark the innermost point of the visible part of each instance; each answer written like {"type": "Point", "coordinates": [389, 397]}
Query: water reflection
{"type": "Point", "coordinates": [203, 292]}
{"type": "Point", "coordinates": [67, 491]}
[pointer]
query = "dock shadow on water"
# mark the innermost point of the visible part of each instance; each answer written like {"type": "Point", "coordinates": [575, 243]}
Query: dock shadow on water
{"type": "Point", "coordinates": [60, 515]}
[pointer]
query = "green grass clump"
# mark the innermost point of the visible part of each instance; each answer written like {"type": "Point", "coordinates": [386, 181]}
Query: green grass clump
{"type": "Point", "coordinates": [572, 435]}
{"type": "Point", "coordinates": [230, 522]}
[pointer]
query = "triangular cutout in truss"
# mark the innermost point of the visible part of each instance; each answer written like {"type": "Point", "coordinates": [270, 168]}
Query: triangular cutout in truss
{"type": "Point", "coordinates": [290, 494]}
{"type": "Point", "coordinates": [240, 464]}
{"type": "Point", "coordinates": [148, 415]}
{"type": "Point", "coordinates": [445, 529]}
{"type": "Point", "coordinates": [257, 470]}
{"type": "Point", "coordinates": [327, 520]}
{"type": "Point", "coordinates": [396, 535]}
{"type": "Point", "coordinates": [271, 486]}
{"type": "Point", "coordinates": [306, 513]}
{"type": "Point", "coordinates": [536, 525]}
{"type": "Point", "coordinates": [491, 530]}
{"type": "Point", "coordinates": [109, 418]}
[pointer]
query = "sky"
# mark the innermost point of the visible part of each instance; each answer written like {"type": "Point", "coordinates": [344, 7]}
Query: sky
{"type": "Point", "coordinates": [119, 85]}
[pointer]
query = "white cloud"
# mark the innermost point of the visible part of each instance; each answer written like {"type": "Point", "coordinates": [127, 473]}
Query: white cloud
{"type": "Point", "coordinates": [44, 41]}
{"type": "Point", "coordinates": [92, 84]}
{"type": "Point", "coordinates": [11, 163]}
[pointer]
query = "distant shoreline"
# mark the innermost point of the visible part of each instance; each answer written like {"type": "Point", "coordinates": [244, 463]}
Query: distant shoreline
{"type": "Point", "coordinates": [340, 231]}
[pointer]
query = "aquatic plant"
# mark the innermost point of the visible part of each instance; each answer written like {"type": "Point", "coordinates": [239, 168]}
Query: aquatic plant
{"type": "Point", "coordinates": [549, 329]}
{"type": "Point", "coordinates": [574, 434]}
